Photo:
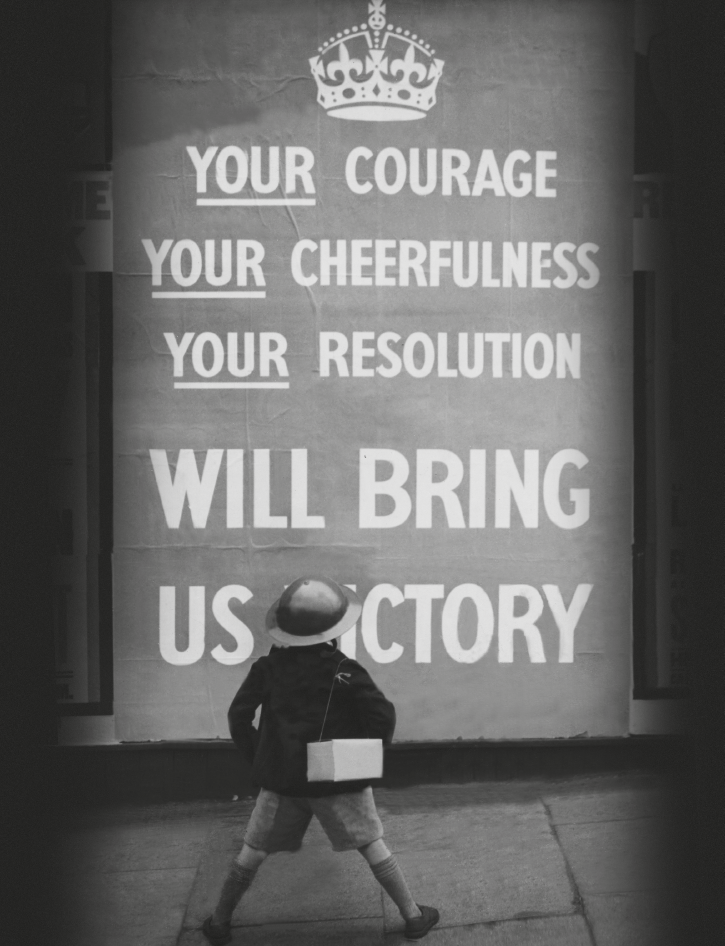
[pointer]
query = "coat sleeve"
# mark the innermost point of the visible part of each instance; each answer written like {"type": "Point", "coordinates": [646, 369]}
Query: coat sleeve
{"type": "Point", "coordinates": [243, 709]}
{"type": "Point", "coordinates": [375, 711]}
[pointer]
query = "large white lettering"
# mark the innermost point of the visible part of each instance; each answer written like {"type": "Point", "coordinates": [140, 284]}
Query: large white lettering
{"type": "Point", "coordinates": [391, 170]}
{"type": "Point", "coordinates": [369, 623]}
{"type": "Point", "coordinates": [463, 627]}
{"type": "Point", "coordinates": [512, 485]}
{"type": "Point", "coordinates": [450, 263]}
{"type": "Point", "coordinates": [187, 486]}
{"type": "Point", "coordinates": [194, 651]}
{"type": "Point", "coordinates": [234, 168]}
{"type": "Point", "coordinates": [187, 262]}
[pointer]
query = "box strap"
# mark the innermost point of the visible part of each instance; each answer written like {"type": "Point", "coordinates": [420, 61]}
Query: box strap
{"type": "Point", "coordinates": [330, 696]}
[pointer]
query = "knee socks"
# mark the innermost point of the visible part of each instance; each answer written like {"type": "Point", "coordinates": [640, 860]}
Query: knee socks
{"type": "Point", "coordinates": [387, 873]}
{"type": "Point", "coordinates": [238, 881]}
{"type": "Point", "coordinates": [390, 877]}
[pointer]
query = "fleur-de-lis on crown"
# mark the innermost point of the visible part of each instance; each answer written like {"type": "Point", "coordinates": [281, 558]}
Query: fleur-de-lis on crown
{"type": "Point", "coordinates": [345, 66]}
{"type": "Point", "coordinates": [408, 67]}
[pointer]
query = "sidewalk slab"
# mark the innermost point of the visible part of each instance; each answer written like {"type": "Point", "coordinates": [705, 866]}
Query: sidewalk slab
{"type": "Point", "coordinates": [503, 862]}
{"type": "Point", "coordinates": [480, 864]}
{"type": "Point", "coordinates": [545, 931]}
{"type": "Point", "coordinates": [316, 883]}
{"type": "Point", "coordinates": [127, 908]}
{"type": "Point", "coordinates": [618, 805]}
{"type": "Point", "coordinates": [616, 857]}
{"type": "Point", "coordinates": [639, 919]}
{"type": "Point", "coordinates": [330, 933]}
{"type": "Point", "coordinates": [460, 827]}
{"type": "Point", "coordinates": [140, 846]}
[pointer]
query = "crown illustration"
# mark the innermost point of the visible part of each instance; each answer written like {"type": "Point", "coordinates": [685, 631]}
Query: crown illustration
{"type": "Point", "coordinates": [390, 75]}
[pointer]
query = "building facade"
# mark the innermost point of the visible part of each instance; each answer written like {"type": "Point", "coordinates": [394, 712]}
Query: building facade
{"type": "Point", "coordinates": [389, 299]}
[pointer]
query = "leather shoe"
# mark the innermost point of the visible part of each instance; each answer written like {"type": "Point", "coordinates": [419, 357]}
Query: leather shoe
{"type": "Point", "coordinates": [419, 926]}
{"type": "Point", "coordinates": [217, 935]}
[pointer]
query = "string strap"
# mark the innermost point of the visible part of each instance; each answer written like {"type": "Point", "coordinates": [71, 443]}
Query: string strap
{"type": "Point", "coordinates": [330, 697]}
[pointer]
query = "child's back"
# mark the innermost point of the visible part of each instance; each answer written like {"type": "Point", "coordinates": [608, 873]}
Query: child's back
{"type": "Point", "coordinates": [309, 690]}
{"type": "Point", "coordinates": [299, 689]}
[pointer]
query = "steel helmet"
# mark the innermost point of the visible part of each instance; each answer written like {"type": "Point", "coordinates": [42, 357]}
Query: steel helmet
{"type": "Point", "coordinates": [312, 611]}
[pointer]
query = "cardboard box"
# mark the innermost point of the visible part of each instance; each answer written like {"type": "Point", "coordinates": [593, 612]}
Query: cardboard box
{"type": "Point", "coordinates": [340, 760]}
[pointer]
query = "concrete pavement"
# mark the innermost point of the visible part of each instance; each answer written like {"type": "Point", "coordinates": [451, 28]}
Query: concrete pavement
{"type": "Point", "coordinates": [582, 862]}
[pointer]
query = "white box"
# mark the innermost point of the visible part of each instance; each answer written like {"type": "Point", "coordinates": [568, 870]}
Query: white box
{"type": "Point", "coordinates": [342, 760]}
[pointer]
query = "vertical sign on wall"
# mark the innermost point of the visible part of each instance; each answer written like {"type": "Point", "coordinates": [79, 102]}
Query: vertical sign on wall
{"type": "Point", "coordinates": [373, 320]}
{"type": "Point", "coordinates": [75, 456]}
{"type": "Point", "coordinates": [660, 620]}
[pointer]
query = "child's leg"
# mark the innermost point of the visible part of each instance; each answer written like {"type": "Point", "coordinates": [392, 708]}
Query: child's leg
{"type": "Point", "coordinates": [240, 876]}
{"type": "Point", "coordinates": [388, 874]}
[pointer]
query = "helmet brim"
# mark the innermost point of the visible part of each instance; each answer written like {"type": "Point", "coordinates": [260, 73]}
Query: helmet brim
{"type": "Point", "coordinates": [350, 617]}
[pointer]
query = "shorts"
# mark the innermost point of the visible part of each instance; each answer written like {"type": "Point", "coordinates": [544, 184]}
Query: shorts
{"type": "Point", "coordinates": [279, 822]}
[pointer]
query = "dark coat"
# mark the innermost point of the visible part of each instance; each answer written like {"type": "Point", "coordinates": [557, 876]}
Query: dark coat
{"type": "Point", "coordinates": [292, 685]}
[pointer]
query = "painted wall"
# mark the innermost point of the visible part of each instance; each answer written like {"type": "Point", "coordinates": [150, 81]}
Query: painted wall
{"type": "Point", "coordinates": [481, 506]}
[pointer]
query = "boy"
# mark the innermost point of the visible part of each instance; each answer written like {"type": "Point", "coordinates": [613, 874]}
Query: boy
{"type": "Point", "coordinates": [304, 687]}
